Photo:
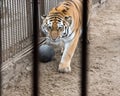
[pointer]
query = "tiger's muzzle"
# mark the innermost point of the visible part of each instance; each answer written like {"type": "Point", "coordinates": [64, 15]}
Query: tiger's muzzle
{"type": "Point", "coordinates": [54, 35]}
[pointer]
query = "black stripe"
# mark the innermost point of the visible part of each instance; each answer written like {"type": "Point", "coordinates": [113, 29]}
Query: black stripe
{"type": "Point", "coordinates": [53, 17]}
{"type": "Point", "coordinates": [75, 5]}
{"type": "Point", "coordinates": [67, 3]}
{"type": "Point", "coordinates": [59, 14]}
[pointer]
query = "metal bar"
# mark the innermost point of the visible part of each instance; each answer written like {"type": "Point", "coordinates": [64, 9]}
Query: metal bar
{"type": "Point", "coordinates": [42, 12]}
{"type": "Point", "coordinates": [5, 21]}
{"type": "Point", "coordinates": [84, 50]}
{"type": "Point", "coordinates": [0, 50]}
{"type": "Point", "coordinates": [23, 23]}
{"type": "Point", "coordinates": [29, 17]}
{"type": "Point", "coordinates": [11, 32]}
{"type": "Point", "coordinates": [20, 24]}
{"type": "Point", "coordinates": [12, 28]}
{"type": "Point", "coordinates": [16, 27]}
{"type": "Point", "coordinates": [8, 30]}
{"type": "Point", "coordinates": [25, 20]}
{"type": "Point", "coordinates": [35, 41]}
{"type": "Point", "coordinates": [2, 32]}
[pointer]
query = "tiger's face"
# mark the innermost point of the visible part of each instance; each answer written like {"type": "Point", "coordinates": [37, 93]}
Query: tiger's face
{"type": "Point", "coordinates": [55, 28]}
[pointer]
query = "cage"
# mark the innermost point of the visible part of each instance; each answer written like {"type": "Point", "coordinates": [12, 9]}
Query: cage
{"type": "Point", "coordinates": [16, 25]}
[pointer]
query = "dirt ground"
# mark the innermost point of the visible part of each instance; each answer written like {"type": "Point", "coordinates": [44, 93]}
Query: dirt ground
{"type": "Point", "coordinates": [104, 63]}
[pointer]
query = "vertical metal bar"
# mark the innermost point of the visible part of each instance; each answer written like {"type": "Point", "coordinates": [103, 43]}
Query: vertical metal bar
{"type": "Point", "coordinates": [29, 13]}
{"type": "Point", "coordinates": [16, 26]}
{"type": "Point", "coordinates": [84, 50]}
{"type": "Point", "coordinates": [12, 28]}
{"type": "Point", "coordinates": [25, 20]}
{"type": "Point", "coordinates": [35, 41]}
{"type": "Point", "coordinates": [11, 25]}
{"type": "Point", "coordinates": [0, 50]}
{"type": "Point", "coordinates": [20, 24]}
{"type": "Point", "coordinates": [8, 26]}
{"type": "Point", "coordinates": [42, 12]}
{"type": "Point", "coordinates": [5, 34]}
{"type": "Point", "coordinates": [2, 32]}
{"type": "Point", "coordinates": [25, 28]}
{"type": "Point", "coordinates": [7, 31]}
{"type": "Point", "coordinates": [23, 23]}
{"type": "Point", "coordinates": [42, 8]}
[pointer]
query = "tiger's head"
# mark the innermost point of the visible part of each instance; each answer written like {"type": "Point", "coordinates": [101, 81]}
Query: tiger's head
{"type": "Point", "coordinates": [56, 28]}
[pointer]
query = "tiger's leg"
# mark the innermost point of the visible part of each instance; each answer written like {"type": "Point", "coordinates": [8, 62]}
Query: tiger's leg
{"type": "Point", "coordinates": [62, 47]}
{"type": "Point", "coordinates": [69, 50]}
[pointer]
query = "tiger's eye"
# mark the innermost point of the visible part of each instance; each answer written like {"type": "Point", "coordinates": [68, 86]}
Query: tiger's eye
{"type": "Point", "coordinates": [49, 28]}
{"type": "Point", "coordinates": [61, 28]}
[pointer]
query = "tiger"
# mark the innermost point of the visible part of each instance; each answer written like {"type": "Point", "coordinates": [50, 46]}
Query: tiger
{"type": "Point", "coordinates": [63, 26]}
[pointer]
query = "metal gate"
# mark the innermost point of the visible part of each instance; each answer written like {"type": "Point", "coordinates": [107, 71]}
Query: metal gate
{"type": "Point", "coordinates": [16, 25]}
{"type": "Point", "coordinates": [84, 66]}
{"type": "Point", "coordinates": [16, 28]}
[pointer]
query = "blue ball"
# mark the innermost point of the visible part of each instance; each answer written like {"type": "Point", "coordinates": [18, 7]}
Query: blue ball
{"type": "Point", "coordinates": [46, 53]}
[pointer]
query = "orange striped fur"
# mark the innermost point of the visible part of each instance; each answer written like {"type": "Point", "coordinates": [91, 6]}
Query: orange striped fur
{"type": "Point", "coordinates": [62, 26]}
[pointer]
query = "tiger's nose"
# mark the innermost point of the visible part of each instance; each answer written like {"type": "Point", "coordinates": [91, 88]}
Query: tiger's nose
{"type": "Point", "coordinates": [54, 35]}
{"type": "Point", "coordinates": [54, 39]}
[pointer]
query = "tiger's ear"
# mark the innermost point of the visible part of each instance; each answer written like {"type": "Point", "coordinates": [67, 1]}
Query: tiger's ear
{"type": "Point", "coordinates": [68, 19]}
{"type": "Point", "coordinates": [43, 17]}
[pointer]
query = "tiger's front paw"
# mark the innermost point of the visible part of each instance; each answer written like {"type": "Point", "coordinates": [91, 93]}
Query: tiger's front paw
{"type": "Point", "coordinates": [64, 68]}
